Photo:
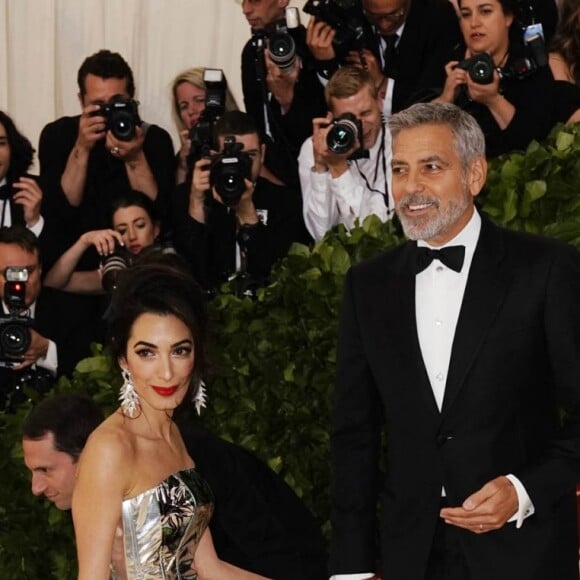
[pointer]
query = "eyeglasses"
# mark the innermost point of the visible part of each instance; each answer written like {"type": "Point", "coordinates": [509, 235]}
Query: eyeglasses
{"type": "Point", "coordinates": [394, 16]}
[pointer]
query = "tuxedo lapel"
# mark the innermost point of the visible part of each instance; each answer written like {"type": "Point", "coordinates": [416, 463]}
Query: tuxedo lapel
{"type": "Point", "coordinates": [399, 282]}
{"type": "Point", "coordinates": [484, 294]}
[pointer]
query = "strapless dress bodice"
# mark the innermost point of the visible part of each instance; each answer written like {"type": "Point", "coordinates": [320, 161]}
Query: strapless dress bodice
{"type": "Point", "coordinates": [162, 528]}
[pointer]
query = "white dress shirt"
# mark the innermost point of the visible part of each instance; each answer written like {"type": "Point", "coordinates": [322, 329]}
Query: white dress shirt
{"type": "Point", "coordinates": [328, 201]}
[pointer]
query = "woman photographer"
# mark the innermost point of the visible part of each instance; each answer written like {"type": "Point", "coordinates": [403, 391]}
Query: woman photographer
{"type": "Point", "coordinates": [188, 91]}
{"type": "Point", "coordinates": [135, 474]}
{"type": "Point", "coordinates": [135, 227]}
{"type": "Point", "coordinates": [513, 104]}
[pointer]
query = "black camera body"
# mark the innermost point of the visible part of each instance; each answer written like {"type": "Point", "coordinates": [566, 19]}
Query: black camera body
{"type": "Point", "coordinates": [121, 116]}
{"type": "Point", "coordinates": [201, 135]}
{"type": "Point", "coordinates": [229, 170]}
{"type": "Point", "coordinates": [345, 17]}
{"type": "Point", "coordinates": [344, 133]}
{"type": "Point", "coordinates": [15, 327]}
{"type": "Point", "coordinates": [479, 67]}
{"type": "Point", "coordinates": [113, 265]}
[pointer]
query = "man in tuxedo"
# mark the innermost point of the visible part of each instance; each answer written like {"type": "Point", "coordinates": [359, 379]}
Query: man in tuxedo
{"type": "Point", "coordinates": [407, 45]}
{"type": "Point", "coordinates": [465, 345]}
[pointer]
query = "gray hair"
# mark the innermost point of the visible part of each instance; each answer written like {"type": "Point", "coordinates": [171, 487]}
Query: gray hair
{"type": "Point", "coordinates": [469, 140]}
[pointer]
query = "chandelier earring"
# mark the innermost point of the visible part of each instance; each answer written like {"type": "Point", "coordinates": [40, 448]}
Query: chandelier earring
{"type": "Point", "coordinates": [200, 397]}
{"type": "Point", "coordinates": [128, 396]}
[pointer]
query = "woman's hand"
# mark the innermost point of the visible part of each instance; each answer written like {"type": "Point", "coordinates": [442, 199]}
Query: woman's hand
{"type": "Point", "coordinates": [103, 240]}
{"type": "Point", "coordinates": [484, 94]}
{"type": "Point", "coordinates": [455, 78]}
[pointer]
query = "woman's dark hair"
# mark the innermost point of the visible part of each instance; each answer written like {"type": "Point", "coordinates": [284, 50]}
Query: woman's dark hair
{"type": "Point", "coordinates": [508, 6]}
{"type": "Point", "coordinates": [164, 289]}
{"type": "Point", "coordinates": [21, 150]}
{"type": "Point", "coordinates": [137, 198]}
{"type": "Point", "coordinates": [566, 40]}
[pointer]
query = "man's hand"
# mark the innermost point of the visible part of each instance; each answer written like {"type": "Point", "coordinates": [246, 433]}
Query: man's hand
{"type": "Point", "coordinates": [29, 196]}
{"type": "Point", "coordinates": [367, 60]}
{"type": "Point", "coordinates": [245, 209]}
{"type": "Point", "coordinates": [199, 185]}
{"type": "Point", "coordinates": [37, 349]}
{"type": "Point", "coordinates": [281, 83]}
{"type": "Point", "coordinates": [324, 159]}
{"type": "Point", "coordinates": [127, 151]}
{"type": "Point", "coordinates": [487, 509]}
{"type": "Point", "coordinates": [92, 128]}
{"type": "Point", "coordinates": [319, 37]}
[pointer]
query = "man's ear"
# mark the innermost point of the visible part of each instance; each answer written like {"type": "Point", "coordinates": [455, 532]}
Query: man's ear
{"type": "Point", "coordinates": [80, 98]}
{"type": "Point", "coordinates": [262, 152]}
{"type": "Point", "coordinates": [476, 175]}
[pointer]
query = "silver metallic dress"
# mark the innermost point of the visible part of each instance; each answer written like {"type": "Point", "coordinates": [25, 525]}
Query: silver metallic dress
{"type": "Point", "coordinates": [162, 528]}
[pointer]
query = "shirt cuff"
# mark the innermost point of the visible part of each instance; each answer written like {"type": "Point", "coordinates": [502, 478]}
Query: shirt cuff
{"type": "Point", "coordinates": [50, 361]}
{"type": "Point", "coordinates": [525, 506]}
{"type": "Point", "coordinates": [363, 576]}
{"type": "Point", "coordinates": [36, 229]}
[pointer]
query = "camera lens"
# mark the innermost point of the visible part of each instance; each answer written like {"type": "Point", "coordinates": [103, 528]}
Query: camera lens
{"type": "Point", "coordinates": [342, 136]}
{"type": "Point", "coordinates": [481, 69]}
{"type": "Point", "coordinates": [122, 125]}
{"type": "Point", "coordinates": [229, 183]}
{"type": "Point", "coordinates": [112, 267]}
{"type": "Point", "coordinates": [282, 49]}
{"type": "Point", "coordinates": [14, 339]}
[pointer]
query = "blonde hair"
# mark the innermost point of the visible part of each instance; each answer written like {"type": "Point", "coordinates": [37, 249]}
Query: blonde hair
{"type": "Point", "coordinates": [194, 76]}
{"type": "Point", "coordinates": [348, 81]}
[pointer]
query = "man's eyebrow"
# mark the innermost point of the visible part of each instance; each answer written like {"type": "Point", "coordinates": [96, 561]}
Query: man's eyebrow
{"type": "Point", "coordinates": [433, 158]}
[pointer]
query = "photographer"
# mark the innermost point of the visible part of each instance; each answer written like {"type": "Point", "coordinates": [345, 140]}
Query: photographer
{"type": "Point", "coordinates": [283, 101]}
{"type": "Point", "coordinates": [248, 231]}
{"type": "Point", "coordinates": [337, 186]}
{"type": "Point", "coordinates": [48, 318]}
{"type": "Point", "coordinates": [87, 160]}
{"type": "Point", "coordinates": [134, 227]}
{"type": "Point", "coordinates": [189, 96]}
{"type": "Point", "coordinates": [506, 90]}
{"type": "Point", "coordinates": [404, 45]}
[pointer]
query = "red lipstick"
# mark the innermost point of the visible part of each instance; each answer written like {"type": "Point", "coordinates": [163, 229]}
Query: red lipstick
{"type": "Point", "coordinates": [165, 391]}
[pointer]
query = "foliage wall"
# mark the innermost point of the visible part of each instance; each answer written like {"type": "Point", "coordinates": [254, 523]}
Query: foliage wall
{"type": "Point", "coordinates": [275, 356]}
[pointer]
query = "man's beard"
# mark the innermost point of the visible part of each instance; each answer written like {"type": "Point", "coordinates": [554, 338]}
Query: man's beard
{"type": "Point", "coordinates": [429, 226]}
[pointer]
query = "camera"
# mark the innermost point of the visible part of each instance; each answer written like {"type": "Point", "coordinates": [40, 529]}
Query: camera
{"type": "Point", "coordinates": [479, 67]}
{"type": "Point", "coordinates": [229, 170]}
{"type": "Point", "coordinates": [121, 116]}
{"type": "Point", "coordinates": [346, 19]}
{"type": "Point", "coordinates": [113, 265]}
{"type": "Point", "coordinates": [344, 133]}
{"type": "Point", "coordinates": [201, 135]}
{"type": "Point", "coordinates": [14, 327]}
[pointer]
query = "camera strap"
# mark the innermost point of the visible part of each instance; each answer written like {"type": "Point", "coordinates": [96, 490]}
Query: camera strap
{"type": "Point", "coordinates": [383, 163]}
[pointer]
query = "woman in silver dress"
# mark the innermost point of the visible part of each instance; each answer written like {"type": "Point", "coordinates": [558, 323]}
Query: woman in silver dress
{"type": "Point", "coordinates": [135, 480]}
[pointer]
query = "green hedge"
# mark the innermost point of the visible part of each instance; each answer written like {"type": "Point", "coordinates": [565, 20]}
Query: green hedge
{"type": "Point", "coordinates": [275, 357]}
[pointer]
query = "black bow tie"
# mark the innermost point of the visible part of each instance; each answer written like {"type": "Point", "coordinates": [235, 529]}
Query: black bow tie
{"type": "Point", "coordinates": [451, 256]}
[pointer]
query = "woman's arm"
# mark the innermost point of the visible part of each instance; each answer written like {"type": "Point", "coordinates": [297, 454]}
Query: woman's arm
{"type": "Point", "coordinates": [489, 95]}
{"type": "Point", "coordinates": [102, 479]}
{"type": "Point", "coordinates": [209, 567]}
{"type": "Point", "coordinates": [63, 276]}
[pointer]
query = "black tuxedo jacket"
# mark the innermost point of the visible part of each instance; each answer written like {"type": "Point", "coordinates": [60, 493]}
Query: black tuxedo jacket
{"type": "Point", "coordinates": [426, 45]}
{"type": "Point", "coordinates": [515, 360]}
{"type": "Point", "coordinates": [258, 523]}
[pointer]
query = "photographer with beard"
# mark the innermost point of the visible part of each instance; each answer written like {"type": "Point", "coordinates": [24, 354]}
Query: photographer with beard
{"type": "Point", "coordinates": [339, 187]}
{"type": "Point", "coordinates": [243, 235]}
{"type": "Point", "coordinates": [85, 161]}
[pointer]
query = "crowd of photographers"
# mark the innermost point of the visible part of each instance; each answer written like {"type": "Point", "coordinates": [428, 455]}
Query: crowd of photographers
{"type": "Point", "coordinates": [311, 152]}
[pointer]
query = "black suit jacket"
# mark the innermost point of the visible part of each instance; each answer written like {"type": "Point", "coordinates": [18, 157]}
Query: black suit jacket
{"type": "Point", "coordinates": [259, 523]}
{"type": "Point", "coordinates": [431, 33]}
{"type": "Point", "coordinates": [515, 359]}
